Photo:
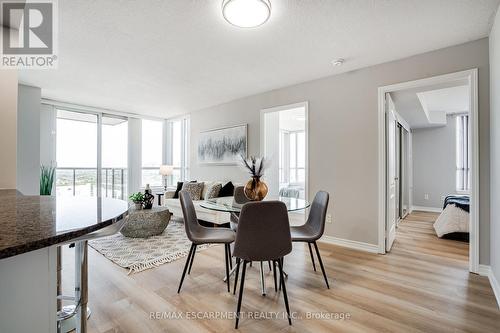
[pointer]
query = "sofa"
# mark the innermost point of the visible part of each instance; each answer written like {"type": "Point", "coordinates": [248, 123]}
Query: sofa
{"type": "Point", "coordinates": [207, 215]}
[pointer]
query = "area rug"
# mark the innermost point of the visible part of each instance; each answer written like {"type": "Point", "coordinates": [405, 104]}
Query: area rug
{"type": "Point", "coordinates": [139, 254]}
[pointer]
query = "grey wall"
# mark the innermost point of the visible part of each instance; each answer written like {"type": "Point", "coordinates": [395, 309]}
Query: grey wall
{"type": "Point", "coordinates": [28, 140]}
{"type": "Point", "coordinates": [434, 164]}
{"type": "Point", "coordinates": [495, 145]}
{"type": "Point", "coordinates": [48, 122]}
{"type": "Point", "coordinates": [343, 134]}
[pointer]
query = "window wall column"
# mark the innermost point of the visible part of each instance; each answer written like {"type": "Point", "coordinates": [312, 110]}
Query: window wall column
{"type": "Point", "coordinates": [134, 155]}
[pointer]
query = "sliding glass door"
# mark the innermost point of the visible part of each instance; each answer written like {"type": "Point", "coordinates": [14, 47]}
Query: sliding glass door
{"type": "Point", "coordinates": [76, 154]}
{"type": "Point", "coordinates": [91, 152]}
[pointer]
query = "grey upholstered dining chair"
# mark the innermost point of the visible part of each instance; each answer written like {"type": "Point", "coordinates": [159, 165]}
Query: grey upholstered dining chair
{"type": "Point", "coordinates": [264, 224]}
{"type": "Point", "coordinates": [314, 227]}
{"type": "Point", "coordinates": [198, 235]}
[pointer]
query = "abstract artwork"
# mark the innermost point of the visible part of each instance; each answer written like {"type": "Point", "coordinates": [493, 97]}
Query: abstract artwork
{"type": "Point", "coordinates": [222, 145]}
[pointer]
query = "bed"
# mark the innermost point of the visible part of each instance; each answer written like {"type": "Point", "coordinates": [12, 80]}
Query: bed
{"type": "Point", "coordinates": [453, 222]}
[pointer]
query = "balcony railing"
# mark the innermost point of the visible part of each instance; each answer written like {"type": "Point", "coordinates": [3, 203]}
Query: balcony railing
{"type": "Point", "coordinates": [83, 182]}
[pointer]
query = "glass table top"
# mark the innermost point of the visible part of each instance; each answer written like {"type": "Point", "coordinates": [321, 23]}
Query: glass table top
{"type": "Point", "coordinates": [227, 204]}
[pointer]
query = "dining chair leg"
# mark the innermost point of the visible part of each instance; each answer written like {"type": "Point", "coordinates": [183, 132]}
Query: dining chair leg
{"type": "Point", "coordinates": [242, 283]}
{"type": "Point", "coordinates": [321, 264]}
{"type": "Point", "coordinates": [192, 259]}
{"type": "Point", "coordinates": [188, 259]}
{"type": "Point", "coordinates": [285, 296]}
{"type": "Point", "coordinates": [274, 276]}
{"type": "Point", "coordinates": [269, 264]}
{"type": "Point", "coordinates": [229, 256]}
{"type": "Point", "coordinates": [312, 257]}
{"type": "Point", "coordinates": [238, 260]}
{"type": "Point", "coordinates": [227, 268]}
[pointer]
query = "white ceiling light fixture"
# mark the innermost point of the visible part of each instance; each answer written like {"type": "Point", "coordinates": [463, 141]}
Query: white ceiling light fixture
{"type": "Point", "coordinates": [246, 13]}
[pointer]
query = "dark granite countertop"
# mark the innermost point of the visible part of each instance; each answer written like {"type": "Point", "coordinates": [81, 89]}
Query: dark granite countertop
{"type": "Point", "coordinates": [29, 223]}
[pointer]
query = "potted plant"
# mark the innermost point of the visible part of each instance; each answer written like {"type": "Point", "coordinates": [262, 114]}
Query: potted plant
{"type": "Point", "coordinates": [137, 199]}
{"type": "Point", "coordinates": [47, 179]}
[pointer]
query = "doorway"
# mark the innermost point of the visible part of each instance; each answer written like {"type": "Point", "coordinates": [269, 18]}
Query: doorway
{"type": "Point", "coordinates": [398, 193]}
{"type": "Point", "coordinates": [284, 144]}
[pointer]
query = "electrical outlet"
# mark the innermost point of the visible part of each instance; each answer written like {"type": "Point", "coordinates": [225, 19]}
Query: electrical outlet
{"type": "Point", "coordinates": [328, 218]}
{"type": "Point", "coordinates": [443, 197]}
{"type": "Point", "coordinates": [426, 196]}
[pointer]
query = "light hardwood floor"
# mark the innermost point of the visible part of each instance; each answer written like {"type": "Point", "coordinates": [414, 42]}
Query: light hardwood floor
{"type": "Point", "coordinates": [421, 286]}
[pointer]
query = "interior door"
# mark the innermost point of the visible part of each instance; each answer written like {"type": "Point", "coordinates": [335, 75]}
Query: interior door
{"type": "Point", "coordinates": [391, 173]}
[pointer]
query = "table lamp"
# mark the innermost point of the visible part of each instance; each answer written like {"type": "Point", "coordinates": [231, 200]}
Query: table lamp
{"type": "Point", "coordinates": [165, 171]}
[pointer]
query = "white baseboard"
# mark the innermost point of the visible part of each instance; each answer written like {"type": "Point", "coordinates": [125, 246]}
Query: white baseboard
{"type": "Point", "coordinates": [485, 270]}
{"type": "Point", "coordinates": [372, 248]}
{"type": "Point", "coordinates": [427, 209]}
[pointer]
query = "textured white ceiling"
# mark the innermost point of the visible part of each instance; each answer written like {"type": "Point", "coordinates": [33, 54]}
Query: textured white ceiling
{"type": "Point", "coordinates": [447, 98]}
{"type": "Point", "coordinates": [163, 58]}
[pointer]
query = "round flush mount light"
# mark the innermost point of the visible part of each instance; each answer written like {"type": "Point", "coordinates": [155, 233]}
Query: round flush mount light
{"type": "Point", "coordinates": [338, 62]}
{"type": "Point", "coordinates": [246, 13]}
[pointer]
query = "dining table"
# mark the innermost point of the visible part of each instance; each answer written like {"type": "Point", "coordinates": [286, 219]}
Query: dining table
{"type": "Point", "coordinates": [228, 205]}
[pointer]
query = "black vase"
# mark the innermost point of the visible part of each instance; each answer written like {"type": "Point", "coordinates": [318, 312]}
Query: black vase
{"type": "Point", "coordinates": [148, 198]}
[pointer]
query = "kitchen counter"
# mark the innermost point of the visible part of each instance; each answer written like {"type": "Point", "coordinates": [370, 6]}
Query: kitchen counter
{"type": "Point", "coordinates": [29, 223]}
{"type": "Point", "coordinates": [31, 230]}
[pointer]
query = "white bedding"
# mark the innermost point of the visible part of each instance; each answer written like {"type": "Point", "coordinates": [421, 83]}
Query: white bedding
{"type": "Point", "coordinates": [452, 219]}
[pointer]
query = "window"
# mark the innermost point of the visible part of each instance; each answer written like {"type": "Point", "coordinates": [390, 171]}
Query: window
{"type": "Point", "coordinates": [292, 157]}
{"type": "Point", "coordinates": [178, 149]}
{"type": "Point", "coordinates": [77, 151]}
{"type": "Point", "coordinates": [152, 152]}
{"type": "Point", "coordinates": [76, 154]}
{"type": "Point", "coordinates": [114, 157]}
{"type": "Point", "coordinates": [463, 156]}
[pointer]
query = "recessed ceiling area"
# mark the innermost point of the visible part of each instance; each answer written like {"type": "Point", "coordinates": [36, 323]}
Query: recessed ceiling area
{"type": "Point", "coordinates": [429, 106]}
{"type": "Point", "coordinates": [165, 58]}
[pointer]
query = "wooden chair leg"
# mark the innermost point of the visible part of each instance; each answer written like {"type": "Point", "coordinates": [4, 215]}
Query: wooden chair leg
{"type": "Point", "coordinates": [238, 260]}
{"type": "Point", "coordinates": [188, 259]}
{"type": "Point", "coordinates": [226, 252]}
{"type": "Point", "coordinates": [285, 296]}
{"type": "Point", "coordinates": [269, 264]}
{"type": "Point", "coordinates": [312, 257]}
{"type": "Point", "coordinates": [242, 283]}
{"type": "Point", "coordinates": [321, 264]}
{"type": "Point", "coordinates": [192, 259]}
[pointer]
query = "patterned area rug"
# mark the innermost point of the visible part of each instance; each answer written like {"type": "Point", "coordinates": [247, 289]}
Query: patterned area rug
{"type": "Point", "coordinates": [139, 254]}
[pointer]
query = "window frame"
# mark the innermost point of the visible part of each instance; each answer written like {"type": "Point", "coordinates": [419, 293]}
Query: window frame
{"type": "Point", "coordinates": [463, 154]}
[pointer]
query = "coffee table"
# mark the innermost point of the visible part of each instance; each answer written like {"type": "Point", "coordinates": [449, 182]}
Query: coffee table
{"type": "Point", "coordinates": [144, 223]}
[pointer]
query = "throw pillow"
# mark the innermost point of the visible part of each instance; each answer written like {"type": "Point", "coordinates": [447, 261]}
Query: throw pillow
{"type": "Point", "coordinates": [227, 190]}
{"type": "Point", "coordinates": [213, 191]}
{"type": "Point", "coordinates": [194, 190]}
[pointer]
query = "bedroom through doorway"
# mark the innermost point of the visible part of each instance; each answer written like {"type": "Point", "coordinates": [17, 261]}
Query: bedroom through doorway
{"type": "Point", "coordinates": [429, 158]}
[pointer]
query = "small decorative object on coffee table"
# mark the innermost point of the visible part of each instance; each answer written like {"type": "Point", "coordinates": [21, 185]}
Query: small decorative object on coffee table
{"type": "Point", "coordinates": [255, 189]}
{"type": "Point", "coordinates": [146, 223]}
{"type": "Point", "coordinates": [148, 198]}
{"type": "Point", "coordinates": [137, 199]}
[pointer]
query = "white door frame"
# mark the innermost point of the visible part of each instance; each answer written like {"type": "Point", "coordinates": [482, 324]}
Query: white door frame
{"type": "Point", "coordinates": [305, 105]}
{"type": "Point", "coordinates": [471, 76]}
